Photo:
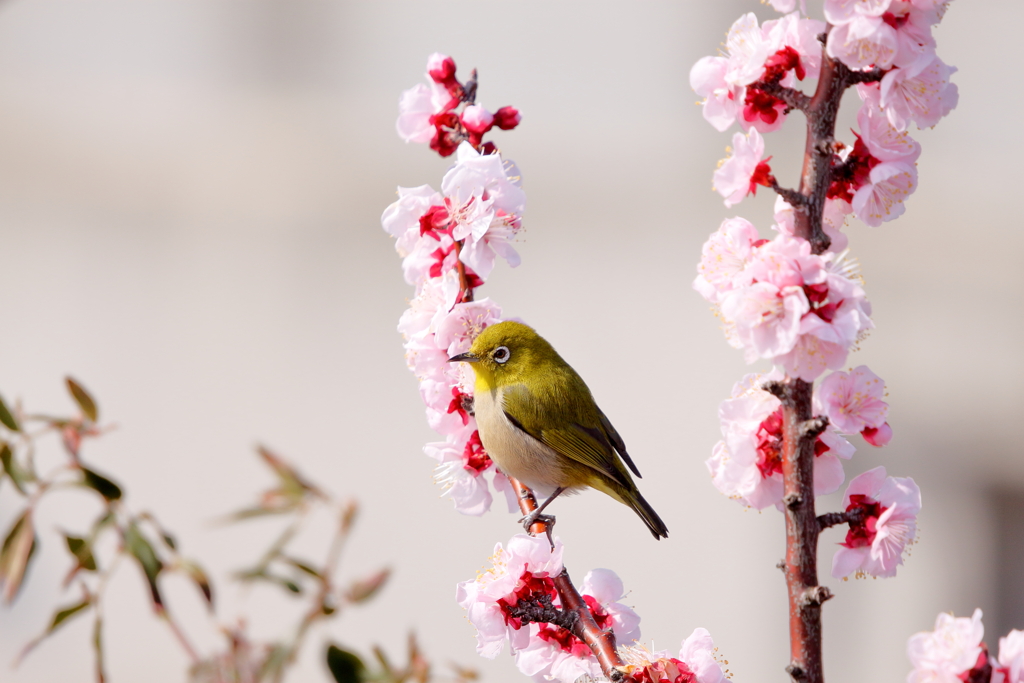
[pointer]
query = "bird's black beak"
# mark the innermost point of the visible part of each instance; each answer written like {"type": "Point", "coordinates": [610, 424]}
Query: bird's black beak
{"type": "Point", "coordinates": [464, 358]}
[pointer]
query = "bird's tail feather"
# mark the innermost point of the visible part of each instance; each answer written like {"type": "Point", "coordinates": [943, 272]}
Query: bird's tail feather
{"type": "Point", "coordinates": [647, 513]}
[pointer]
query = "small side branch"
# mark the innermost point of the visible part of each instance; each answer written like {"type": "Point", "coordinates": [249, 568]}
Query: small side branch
{"type": "Point", "coordinates": [830, 519]}
{"type": "Point", "coordinates": [794, 99]}
{"type": "Point", "coordinates": [581, 623]}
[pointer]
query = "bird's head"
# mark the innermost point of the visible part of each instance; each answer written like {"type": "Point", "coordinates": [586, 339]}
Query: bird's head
{"type": "Point", "coordinates": [506, 352]}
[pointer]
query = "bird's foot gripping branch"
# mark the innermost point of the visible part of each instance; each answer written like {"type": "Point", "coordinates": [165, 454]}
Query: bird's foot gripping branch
{"type": "Point", "coordinates": [449, 241]}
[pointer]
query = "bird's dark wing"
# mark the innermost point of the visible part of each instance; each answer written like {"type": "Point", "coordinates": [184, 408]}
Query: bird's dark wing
{"type": "Point", "coordinates": [616, 440]}
{"type": "Point", "coordinates": [571, 435]}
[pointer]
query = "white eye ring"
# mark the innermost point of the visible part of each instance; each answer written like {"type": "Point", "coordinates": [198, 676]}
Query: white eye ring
{"type": "Point", "coordinates": [501, 354]}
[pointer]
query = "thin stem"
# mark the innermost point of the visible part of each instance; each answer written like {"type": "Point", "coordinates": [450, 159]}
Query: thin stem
{"type": "Point", "coordinates": [465, 289]}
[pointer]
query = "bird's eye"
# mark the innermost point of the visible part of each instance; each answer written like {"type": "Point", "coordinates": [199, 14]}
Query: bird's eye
{"type": "Point", "coordinates": [501, 354]}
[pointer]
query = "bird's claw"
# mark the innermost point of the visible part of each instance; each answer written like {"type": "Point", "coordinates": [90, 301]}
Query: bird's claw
{"type": "Point", "coordinates": [536, 516]}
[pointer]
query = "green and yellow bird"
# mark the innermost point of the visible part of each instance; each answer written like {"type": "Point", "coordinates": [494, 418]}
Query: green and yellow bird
{"type": "Point", "coordinates": [540, 424]}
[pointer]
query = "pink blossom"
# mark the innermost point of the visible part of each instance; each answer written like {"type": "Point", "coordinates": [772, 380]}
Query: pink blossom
{"type": "Point", "coordinates": [878, 436]}
{"type": "Point", "coordinates": [800, 35]}
{"type": "Point", "coordinates": [863, 42]}
{"type": "Point", "coordinates": [785, 5]}
{"type": "Point", "coordinates": [833, 221]}
{"type": "Point", "coordinates": [763, 319]}
{"type": "Point", "coordinates": [852, 401]}
{"type": "Point", "coordinates": [1011, 656]}
{"type": "Point", "coordinates": [555, 654]}
{"type": "Point", "coordinates": [722, 100]}
{"type": "Point", "coordinates": [747, 464]}
{"type": "Point", "coordinates": [461, 464]}
{"type": "Point", "coordinates": [484, 207]}
{"type": "Point", "coordinates": [748, 49]}
{"type": "Point", "coordinates": [724, 256]}
{"type": "Point", "coordinates": [843, 11]}
{"type": "Point", "coordinates": [763, 316]}
{"type": "Point", "coordinates": [889, 508]}
{"type": "Point", "coordinates": [741, 173]}
{"type": "Point", "coordinates": [913, 31]}
{"type": "Point", "coordinates": [881, 199]}
{"type": "Point", "coordinates": [920, 92]}
{"type": "Point", "coordinates": [696, 662]}
{"type": "Point", "coordinates": [458, 329]}
{"type": "Point", "coordinates": [882, 140]}
{"type": "Point", "coordinates": [416, 109]}
{"type": "Point", "coordinates": [948, 653]}
{"type": "Point", "coordinates": [521, 572]}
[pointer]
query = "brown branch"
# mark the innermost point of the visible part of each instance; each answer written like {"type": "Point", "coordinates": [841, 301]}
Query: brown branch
{"type": "Point", "coordinates": [800, 428]}
{"type": "Point", "coordinates": [830, 519]}
{"type": "Point", "coordinates": [799, 433]}
{"type": "Point", "coordinates": [793, 98]}
{"type": "Point", "coordinates": [465, 289]}
{"type": "Point", "coordinates": [582, 625]}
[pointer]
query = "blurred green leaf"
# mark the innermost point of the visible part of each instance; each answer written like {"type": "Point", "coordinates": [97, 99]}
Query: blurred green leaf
{"type": "Point", "coordinates": [82, 550]}
{"type": "Point", "coordinates": [263, 575]}
{"type": "Point", "coordinates": [364, 589]}
{"type": "Point", "coordinates": [105, 487]}
{"type": "Point", "coordinates": [249, 513]}
{"type": "Point", "coordinates": [199, 577]}
{"type": "Point", "coordinates": [169, 540]}
{"type": "Point", "coordinates": [345, 667]}
{"type": "Point", "coordinates": [274, 664]}
{"type": "Point", "coordinates": [293, 486]}
{"type": "Point", "coordinates": [7, 418]}
{"type": "Point", "coordinates": [83, 399]}
{"type": "Point", "coordinates": [65, 613]}
{"type": "Point", "coordinates": [142, 550]}
{"type": "Point", "coordinates": [18, 547]}
{"type": "Point", "coordinates": [14, 470]}
{"type": "Point", "coordinates": [301, 566]}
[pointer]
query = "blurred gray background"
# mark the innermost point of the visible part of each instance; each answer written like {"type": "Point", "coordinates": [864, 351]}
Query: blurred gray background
{"type": "Point", "coordinates": [190, 196]}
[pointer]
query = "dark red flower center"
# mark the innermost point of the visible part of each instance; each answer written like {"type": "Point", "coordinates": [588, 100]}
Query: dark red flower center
{"type": "Point", "coordinates": [475, 456]}
{"type": "Point", "coordinates": [863, 533]}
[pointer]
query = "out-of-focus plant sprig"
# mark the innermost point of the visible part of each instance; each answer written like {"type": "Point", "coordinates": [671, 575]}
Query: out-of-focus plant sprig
{"type": "Point", "coordinates": [146, 543]}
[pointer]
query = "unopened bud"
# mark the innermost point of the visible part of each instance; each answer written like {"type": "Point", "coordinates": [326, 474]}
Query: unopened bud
{"type": "Point", "coordinates": [507, 118]}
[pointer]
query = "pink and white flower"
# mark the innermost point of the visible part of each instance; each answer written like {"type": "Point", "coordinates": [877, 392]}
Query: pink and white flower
{"type": "Point", "coordinates": [843, 11]}
{"type": "Point", "coordinates": [523, 571]}
{"type": "Point", "coordinates": [947, 654]}
{"type": "Point", "coordinates": [457, 330]}
{"type": "Point", "coordinates": [417, 108]}
{"type": "Point", "coordinates": [833, 221]}
{"type": "Point", "coordinates": [1011, 657]}
{"type": "Point", "coordinates": [745, 169]}
{"type": "Point", "coordinates": [722, 100]}
{"type": "Point", "coordinates": [746, 464]}
{"type": "Point", "coordinates": [863, 42]}
{"type": "Point", "coordinates": [881, 138]}
{"type": "Point", "coordinates": [484, 208]}
{"type": "Point", "coordinates": [889, 508]}
{"type": "Point", "coordinates": [920, 92]}
{"type": "Point", "coordinates": [462, 462]}
{"type": "Point", "coordinates": [696, 662]}
{"type": "Point", "coordinates": [724, 256]}
{"type": "Point", "coordinates": [853, 401]}
{"type": "Point", "coordinates": [556, 654]}
{"type": "Point", "coordinates": [882, 198]}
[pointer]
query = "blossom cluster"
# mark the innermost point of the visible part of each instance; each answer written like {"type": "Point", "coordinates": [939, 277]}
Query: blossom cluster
{"type": "Point", "coordinates": [804, 307]}
{"type": "Point", "coordinates": [449, 241]}
{"type": "Point", "coordinates": [430, 112]}
{"type": "Point", "coordinates": [754, 83]}
{"type": "Point", "coordinates": [522, 575]}
{"type": "Point", "coordinates": [954, 652]}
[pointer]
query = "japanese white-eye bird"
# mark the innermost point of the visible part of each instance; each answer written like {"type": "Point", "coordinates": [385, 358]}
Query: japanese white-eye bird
{"type": "Point", "coordinates": [540, 424]}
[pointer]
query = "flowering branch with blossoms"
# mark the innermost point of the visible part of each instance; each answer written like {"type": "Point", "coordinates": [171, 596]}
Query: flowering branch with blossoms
{"type": "Point", "coordinates": [796, 299]}
{"type": "Point", "coordinates": [449, 242]}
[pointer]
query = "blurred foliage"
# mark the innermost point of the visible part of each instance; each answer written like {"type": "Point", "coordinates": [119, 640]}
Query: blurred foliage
{"type": "Point", "coordinates": [142, 541]}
